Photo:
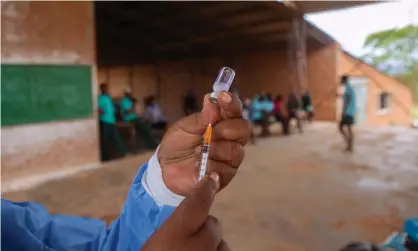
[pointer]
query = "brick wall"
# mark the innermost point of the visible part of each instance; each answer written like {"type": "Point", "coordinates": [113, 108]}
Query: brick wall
{"type": "Point", "coordinates": [400, 103]}
{"type": "Point", "coordinates": [266, 71]}
{"type": "Point", "coordinates": [48, 33]}
{"type": "Point", "coordinates": [323, 79]}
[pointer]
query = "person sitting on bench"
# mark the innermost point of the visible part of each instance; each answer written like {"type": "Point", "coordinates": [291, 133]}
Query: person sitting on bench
{"type": "Point", "coordinates": [154, 114]}
{"type": "Point", "coordinates": [190, 104]}
{"type": "Point", "coordinates": [307, 105]}
{"type": "Point", "coordinates": [259, 115]}
{"type": "Point", "coordinates": [143, 130]}
{"type": "Point", "coordinates": [292, 107]}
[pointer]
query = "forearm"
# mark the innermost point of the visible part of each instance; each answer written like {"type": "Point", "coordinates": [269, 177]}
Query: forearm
{"type": "Point", "coordinates": [148, 205]}
{"type": "Point", "coordinates": [29, 226]}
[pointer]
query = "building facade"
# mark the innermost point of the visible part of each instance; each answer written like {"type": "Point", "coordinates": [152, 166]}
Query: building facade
{"type": "Point", "coordinates": [50, 78]}
{"type": "Point", "coordinates": [381, 100]}
{"type": "Point", "coordinates": [43, 46]}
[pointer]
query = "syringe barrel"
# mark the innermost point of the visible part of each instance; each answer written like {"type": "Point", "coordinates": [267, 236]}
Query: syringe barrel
{"type": "Point", "coordinates": [204, 161]}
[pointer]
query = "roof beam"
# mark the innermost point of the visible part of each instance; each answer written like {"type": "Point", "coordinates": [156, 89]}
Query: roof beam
{"type": "Point", "coordinates": [216, 14]}
{"type": "Point", "coordinates": [292, 5]}
{"type": "Point", "coordinates": [271, 37]}
{"type": "Point", "coordinates": [317, 34]}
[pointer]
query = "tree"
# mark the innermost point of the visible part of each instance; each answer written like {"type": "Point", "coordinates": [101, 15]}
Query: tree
{"type": "Point", "coordinates": [395, 52]}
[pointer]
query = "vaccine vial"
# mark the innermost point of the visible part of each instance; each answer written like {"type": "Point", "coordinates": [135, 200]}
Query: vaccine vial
{"type": "Point", "coordinates": [223, 82]}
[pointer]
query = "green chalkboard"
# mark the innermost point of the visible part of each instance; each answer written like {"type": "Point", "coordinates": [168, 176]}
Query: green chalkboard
{"type": "Point", "coordinates": [42, 93]}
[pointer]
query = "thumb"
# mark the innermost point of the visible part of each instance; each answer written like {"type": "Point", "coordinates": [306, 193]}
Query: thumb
{"type": "Point", "coordinates": [194, 209]}
{"type": "Point", "coordinates": [197, 122]}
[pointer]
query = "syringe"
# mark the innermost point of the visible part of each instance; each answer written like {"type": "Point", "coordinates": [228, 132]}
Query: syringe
{"type": "Point", "coordinates": [205, 151]}
{"type": "Point", "coordinates": [222, 83]}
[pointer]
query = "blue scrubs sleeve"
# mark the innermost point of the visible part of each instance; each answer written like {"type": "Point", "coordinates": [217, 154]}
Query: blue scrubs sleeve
{"type": "Point", "coordinates": [28, 226]}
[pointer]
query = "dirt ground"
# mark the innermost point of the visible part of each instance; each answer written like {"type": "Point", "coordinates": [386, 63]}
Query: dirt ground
{"type": "Point", "coordinates": [296, 193]}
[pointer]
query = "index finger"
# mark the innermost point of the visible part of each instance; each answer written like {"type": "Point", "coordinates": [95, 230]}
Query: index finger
{"type": "Point", "coordinates": [231, 106]}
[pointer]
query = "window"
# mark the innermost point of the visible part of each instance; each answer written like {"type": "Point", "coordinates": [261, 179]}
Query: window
{"type": "Point", "coordinates": [384, 102]}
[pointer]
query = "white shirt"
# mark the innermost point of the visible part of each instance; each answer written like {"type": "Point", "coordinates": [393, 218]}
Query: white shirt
{"type": "Point", "coordinates": [154, 113]}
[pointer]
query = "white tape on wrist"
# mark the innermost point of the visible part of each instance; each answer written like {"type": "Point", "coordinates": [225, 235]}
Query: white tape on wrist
{"type": "Point", "coordinates": [153, 183]}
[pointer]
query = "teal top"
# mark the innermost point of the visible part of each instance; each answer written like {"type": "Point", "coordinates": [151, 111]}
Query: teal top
{"type": "Point", "coordinates": [349, 94]}
{"type": "Point", "coordinates": [106, 105]}
{"type": "Point", "coordinates": [126, 104]}
{"type": "Point", "coordinates": [256, 108]}
{"type": "Point", "coordinates": [267, 106]}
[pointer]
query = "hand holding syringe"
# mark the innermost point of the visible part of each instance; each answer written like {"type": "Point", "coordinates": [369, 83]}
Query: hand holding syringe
{"type": "Point", "coordinates": [223, 83]}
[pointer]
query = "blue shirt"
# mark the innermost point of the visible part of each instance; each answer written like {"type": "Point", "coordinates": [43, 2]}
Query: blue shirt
{"type": "Point", "coordinates": [350, 97]}
{"type": "Point", "coordinates": [256, 107]}
{"type": "Point", "coordinates": [126, 104]}
{"type": "Point", "coordinates": [29, 226]}
{"type": "Point", "coordinates": [105, 104]}
{"type": "Point", "coordinates": [267, 106]}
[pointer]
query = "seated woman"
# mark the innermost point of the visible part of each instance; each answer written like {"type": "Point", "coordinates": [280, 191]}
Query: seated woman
{"type": "Point", "coordinates": [190, 104]}
{"type": "Point", "coordinates": [247, 114]}
{"type": "Point", "coordinates": [292, 107]}
{"type": "Point", "coordinates": [268, 108]}
{"type": "Point", "coordinates": [261, 109]}
{"type": "Point", "coordinates": [256, 108]}
{"type": "Point", "coordinates": [278, 111]}
{"type": "Point", "coordinates": [307, 106]}
{"type": "Point", "coordinates": [143, 130]}
{"type": "Point", "coordinates": [154, 114]}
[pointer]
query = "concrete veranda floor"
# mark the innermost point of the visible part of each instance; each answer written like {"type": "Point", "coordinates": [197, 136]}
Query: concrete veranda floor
{"type": "Point", "coordinates": [292, 193]}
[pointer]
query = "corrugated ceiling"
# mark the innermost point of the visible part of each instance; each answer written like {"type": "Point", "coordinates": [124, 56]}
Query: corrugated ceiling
{"type": "Point", "coordinates": [318, 6]}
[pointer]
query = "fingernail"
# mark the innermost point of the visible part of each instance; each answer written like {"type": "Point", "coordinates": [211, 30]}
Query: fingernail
{"type": "Point", "coordinates": [206, 101]}
{"type": "Point", "coordinates": [215, 177]}
{"type": "Point", "coordinates": [226, 97]}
